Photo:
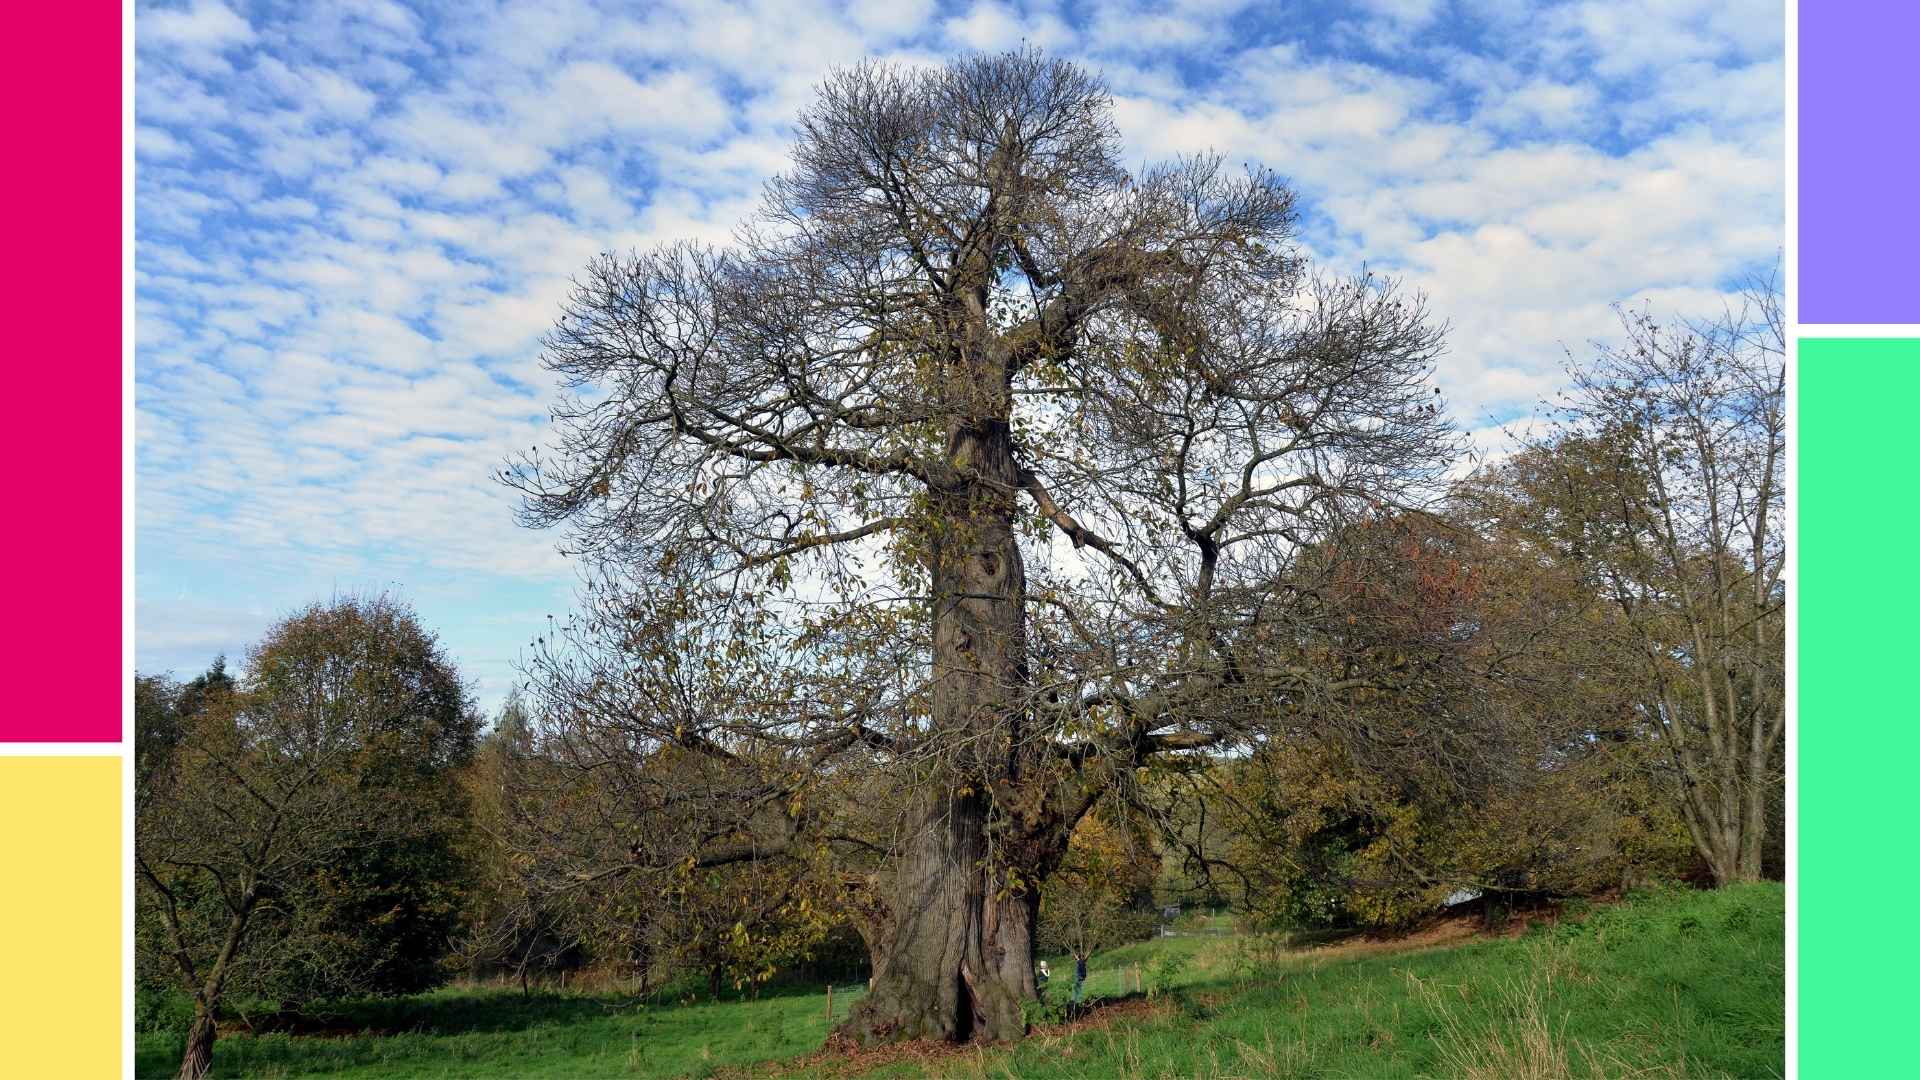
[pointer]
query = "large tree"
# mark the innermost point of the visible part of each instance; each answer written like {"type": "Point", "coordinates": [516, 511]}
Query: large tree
{"type": "Point", "coordinates": [969, 477]}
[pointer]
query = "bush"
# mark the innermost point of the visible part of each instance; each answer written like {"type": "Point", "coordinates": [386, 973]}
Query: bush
{"type": "Point", "coordinates": [159, 1011]}
{"type": "Point", "coordinates": [1164, 970]}
{"type": "Point", "coordinates": [1046, 1012]}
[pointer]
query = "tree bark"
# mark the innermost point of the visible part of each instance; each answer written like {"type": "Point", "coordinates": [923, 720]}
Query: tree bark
{"type": "Point", "coordinates": [1753, 830]}
{"type": "Point", "coordinates": [1731, 844]}
{"type": "Point", "coordinates": [956, 963]}
{"type": "Point", "coordinates": [956, 959]}
{"type": "Point", "coordinates": [921, 987]}
{"type": "Point", "coordinates": [1723, 797]}
{"type": "Point", "coordinates": [198, 1058]}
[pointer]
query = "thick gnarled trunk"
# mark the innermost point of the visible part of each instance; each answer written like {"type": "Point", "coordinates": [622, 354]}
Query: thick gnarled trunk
{"type": "Point", "coordinates": [955, 961]}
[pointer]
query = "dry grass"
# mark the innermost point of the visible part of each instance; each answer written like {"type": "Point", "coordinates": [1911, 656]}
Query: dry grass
{"type": "Point", "coordinates": [1524, 1042]}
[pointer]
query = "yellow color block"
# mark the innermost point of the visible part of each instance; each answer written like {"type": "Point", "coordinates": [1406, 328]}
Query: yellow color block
{"type": "Point", "coordinates": [60, 916]}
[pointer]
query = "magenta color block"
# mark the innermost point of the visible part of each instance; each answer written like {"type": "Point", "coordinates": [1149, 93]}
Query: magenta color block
{"type": "Point", "coordinates": [60, 78]}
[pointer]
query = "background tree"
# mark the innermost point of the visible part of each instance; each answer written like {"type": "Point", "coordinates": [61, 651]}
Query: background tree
{"type": "Point", "coordinates": [294, 841]}
{"type": "Point", "coordinates": [1501, 763]}
{"type": "Point", "coordinates": [1094, 900]}
{"type": "Point", "coordinates": [161, 705]}
{"type": "Point", "coordinates": [1663, 487]}
{"type": "Point", "coordinates": [507, 929]}
{"type": "Point", "coordinates": [976, 466]}
{"type": "Point", "coordinates": [558, 803]}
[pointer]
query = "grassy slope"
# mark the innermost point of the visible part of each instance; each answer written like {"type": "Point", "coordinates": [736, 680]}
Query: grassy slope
{"type": "Point", "coordinates": [1686, 984]}
{"type": "Point", "coordinates": [1677, 984]}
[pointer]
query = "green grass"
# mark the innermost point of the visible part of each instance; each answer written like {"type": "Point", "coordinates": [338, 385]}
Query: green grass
{"type": "Point", "coordinates": [493, 1032]}
{"type": "Point", "coordinates": [1673, 984]}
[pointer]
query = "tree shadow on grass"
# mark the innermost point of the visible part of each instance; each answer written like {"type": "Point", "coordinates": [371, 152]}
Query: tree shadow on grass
{"type": "Point", "coordinates": [443, 1013]}
{"type": "Point", "coordinates": [459, 1011]}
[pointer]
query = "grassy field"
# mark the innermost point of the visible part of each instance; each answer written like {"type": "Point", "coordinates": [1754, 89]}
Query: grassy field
{"type": "Point", "coordinates": [1674, 984]}
{"type": "Point", "coordinates": [492, 1032]}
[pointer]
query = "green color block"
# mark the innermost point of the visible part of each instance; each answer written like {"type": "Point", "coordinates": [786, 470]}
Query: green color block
{"type": "Point", "coordinates": [1858, 729]}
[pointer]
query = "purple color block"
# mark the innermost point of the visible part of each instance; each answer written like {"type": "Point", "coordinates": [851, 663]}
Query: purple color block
{"type": "Point", "coordinates": [1859, 161]}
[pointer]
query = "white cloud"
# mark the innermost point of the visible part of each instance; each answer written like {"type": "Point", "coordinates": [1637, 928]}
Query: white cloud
{"type": "Point", "coordinates": [890, 18]}
{"type": "Point", "coordinates": [464, 144]}
{"type": "Point", "coordinates": [313, 89]}
{"type": "Point", "coordinates": [1544, 104]}
{"type": "Point", "coordinates": [206, 24]}
{"type": "Point", "coordinates": [1412, 12]}
{"type": "Point", "coordinates": [986, 26]}
{"type": "Point", "coordinates": [590, 98]}
{"type": "Point", "coordinates": [288, 207]}
{"type": "Point", "coordinates": [156, 144]}
{"type": "Point", "coordinates": [467, 186]}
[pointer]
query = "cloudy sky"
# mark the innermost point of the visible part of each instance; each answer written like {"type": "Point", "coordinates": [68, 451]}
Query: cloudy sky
{"type": "Point", "coordinates": [355, 218]}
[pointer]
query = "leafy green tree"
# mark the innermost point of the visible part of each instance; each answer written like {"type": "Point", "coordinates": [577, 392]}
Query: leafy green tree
{"type": "Point", "coordinates": [551, 823]}
{"type": "Point", "coordinates": [1512, 760]}
{"type": "Point", "coordinates": [507, 930]}
{"type": "Point", "coordinates": [296, 841]}
{"type": "Point", "coordinates": [207, 686]}
{"type": "Point", "coordinates": [161, 705]}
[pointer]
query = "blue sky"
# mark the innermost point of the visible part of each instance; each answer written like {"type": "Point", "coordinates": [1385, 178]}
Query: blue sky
{"type": "Point", "coordinates": [355, 218]}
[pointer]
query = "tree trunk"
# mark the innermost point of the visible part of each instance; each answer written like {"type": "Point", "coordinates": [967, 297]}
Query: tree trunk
{"type": "Point", "coordinates": [198, 1058]}
{"type": "Point", "coordinates": [1730, 844]}
{"type": "Point", "coordinates": [1723, 799]}
{"type": "Point", "coordinates": [1753, 829]}
{"type": "Point", "coordinates": [955, 961]}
